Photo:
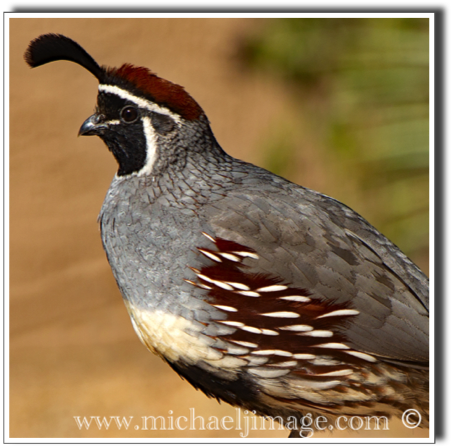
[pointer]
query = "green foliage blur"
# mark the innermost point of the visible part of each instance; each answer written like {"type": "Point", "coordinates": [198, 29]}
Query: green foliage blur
{"type": "Point", "coordinates": [361, 89]}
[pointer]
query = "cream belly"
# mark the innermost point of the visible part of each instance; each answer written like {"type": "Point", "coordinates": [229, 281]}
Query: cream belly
{"type": "Point", "coordinates": [168, 336]}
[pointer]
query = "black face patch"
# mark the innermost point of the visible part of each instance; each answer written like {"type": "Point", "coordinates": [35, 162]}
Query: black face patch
{"type": "Point", "coordinates": [124, 132]}
{"type": "Point", "coordinates": [128, 144]}
{"type": "Point", "coordinates": [125, 139]}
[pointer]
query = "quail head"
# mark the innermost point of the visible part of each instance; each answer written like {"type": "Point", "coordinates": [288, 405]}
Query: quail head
{"type": "Point", "coordinates": [261, 293]}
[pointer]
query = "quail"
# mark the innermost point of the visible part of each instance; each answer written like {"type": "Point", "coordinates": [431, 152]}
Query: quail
{"type": "Point", "coordinates": [261, 293]}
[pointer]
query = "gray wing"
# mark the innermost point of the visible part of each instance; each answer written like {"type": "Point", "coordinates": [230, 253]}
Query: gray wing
{"type": "Point", "coordinates": [316, 243]}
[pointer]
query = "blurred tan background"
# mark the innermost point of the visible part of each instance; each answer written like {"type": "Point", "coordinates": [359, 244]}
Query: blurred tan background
{"type": "Point", "coordinates": [73, 351]}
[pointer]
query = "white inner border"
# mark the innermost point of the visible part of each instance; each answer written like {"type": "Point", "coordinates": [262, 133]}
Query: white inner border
{"type": "Point", "coordinates": [151, 147]}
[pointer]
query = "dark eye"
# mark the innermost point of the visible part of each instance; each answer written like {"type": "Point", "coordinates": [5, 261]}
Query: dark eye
{"type": "Point", "coordinates": [129, 114]}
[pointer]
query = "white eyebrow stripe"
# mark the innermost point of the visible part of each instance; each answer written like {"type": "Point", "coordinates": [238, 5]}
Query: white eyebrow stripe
{"type": "Point", "coordinates": [140, 102]}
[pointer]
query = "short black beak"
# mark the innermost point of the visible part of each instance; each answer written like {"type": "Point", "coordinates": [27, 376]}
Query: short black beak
{"type": "Point", "coordinates": [92, 126]}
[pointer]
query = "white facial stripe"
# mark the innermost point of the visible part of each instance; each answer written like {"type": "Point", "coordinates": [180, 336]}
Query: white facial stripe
{"type": "Point", "coordinates": [112, 122]}
{"type": "Point", "coordinates": [140, 102]}
{"type": "Point", "coordinates": [151, 146]}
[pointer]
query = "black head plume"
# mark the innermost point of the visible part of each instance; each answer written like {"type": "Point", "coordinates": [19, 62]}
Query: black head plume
{"type": "Point", "coordinates": [56, 47]}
